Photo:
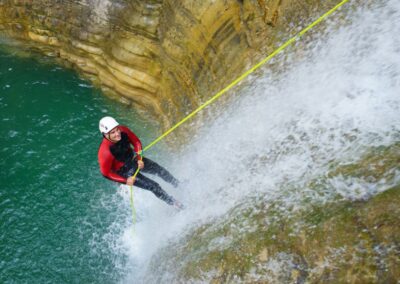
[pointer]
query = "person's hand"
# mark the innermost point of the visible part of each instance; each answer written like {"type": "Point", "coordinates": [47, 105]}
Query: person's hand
{"type": "Point", "coordinates": [130, 181]}
{"type": "Point", "coordinates": [140, 164]}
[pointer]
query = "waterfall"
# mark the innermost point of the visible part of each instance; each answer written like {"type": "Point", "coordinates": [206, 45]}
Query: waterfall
{"type": "Point", "coordinates": [335, 98]}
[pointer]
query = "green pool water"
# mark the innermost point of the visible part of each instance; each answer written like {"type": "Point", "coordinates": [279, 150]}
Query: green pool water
{"type": "Point", "coordinates": [58, 214]}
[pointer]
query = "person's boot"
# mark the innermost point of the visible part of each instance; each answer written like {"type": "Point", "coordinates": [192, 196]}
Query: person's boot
{"type": "Point", "coordinates": [175, 182]}
{"type": "Point", "coordinates": [179, 206]}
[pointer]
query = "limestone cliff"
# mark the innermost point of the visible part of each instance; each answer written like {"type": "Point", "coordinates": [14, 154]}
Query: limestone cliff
{"type": "Point", "coordinates": [164, 56]}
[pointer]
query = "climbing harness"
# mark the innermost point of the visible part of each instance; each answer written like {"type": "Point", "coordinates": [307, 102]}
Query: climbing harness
{"type": "Point", "coordinates": [235, 82]}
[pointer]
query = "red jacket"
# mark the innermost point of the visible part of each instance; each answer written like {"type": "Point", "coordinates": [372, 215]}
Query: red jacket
{"type": "Point", "coordinates": [112, 156]}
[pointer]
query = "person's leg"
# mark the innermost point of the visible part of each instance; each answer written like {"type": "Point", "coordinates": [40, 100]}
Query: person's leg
{"type": "Point", "coordinates": [128, 169]}
{"type": "Point", "coordinates": [146, 183]}
{"type": "Point", "coordinates": [152, 167]}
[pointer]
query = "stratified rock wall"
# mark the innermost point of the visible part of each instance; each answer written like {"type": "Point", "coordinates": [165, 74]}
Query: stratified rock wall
{"type": "Point", "coordinates": [164, 56]}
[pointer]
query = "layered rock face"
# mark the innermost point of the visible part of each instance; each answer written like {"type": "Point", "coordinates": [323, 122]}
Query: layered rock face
{"type": "Point", "coordinates": [165, 57]}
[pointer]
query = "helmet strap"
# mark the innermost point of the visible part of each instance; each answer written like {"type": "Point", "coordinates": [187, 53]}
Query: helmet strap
{"type": "Point", "coordinates": [107, 136]}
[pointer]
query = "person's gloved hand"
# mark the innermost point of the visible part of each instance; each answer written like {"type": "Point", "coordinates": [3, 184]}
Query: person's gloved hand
{"type": "Point", "coordinates": [140, 164]}
{"type": "Point", "coordinates": [130, 181]}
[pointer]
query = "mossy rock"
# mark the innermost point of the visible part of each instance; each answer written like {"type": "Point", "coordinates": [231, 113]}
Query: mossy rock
{"type": "Point", "coordinates": [353, 242]}
{"type": "Point", "coordinates": [341, 241]}
{"type": "Point", "coordinates": [377, 164]}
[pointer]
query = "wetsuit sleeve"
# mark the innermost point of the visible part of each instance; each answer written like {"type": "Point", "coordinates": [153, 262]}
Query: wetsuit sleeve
{"type": "Point", "coordinates": [137, 145]}
{"type": "Point", "coordinates": [105, 162]}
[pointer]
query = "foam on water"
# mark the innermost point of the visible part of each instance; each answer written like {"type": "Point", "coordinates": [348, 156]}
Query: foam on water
{"type": "Point", "coordinates": [333, 103]}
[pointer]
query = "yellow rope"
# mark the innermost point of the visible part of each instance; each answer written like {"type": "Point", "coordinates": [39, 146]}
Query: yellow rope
{"type": "Point", "coordinates": [133, 208]}
{"type": "Point", "coordinates": [247, 73]}
{"type": "Point", "coordinates": [132, 203]}
{"type": "Point", "coordinates": [234, 83]}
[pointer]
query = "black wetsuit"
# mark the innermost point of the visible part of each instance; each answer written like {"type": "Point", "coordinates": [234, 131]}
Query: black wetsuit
{"type": "Point", "coordinates": [151, 167]}
{"type": "Point", "coordinates": [118, 161]}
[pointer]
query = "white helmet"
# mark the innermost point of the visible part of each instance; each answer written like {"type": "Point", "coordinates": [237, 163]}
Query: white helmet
{"type": "Point", "coordinates": [107, 124]}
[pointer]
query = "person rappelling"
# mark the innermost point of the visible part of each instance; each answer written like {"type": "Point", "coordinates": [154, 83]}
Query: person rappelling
{"type": "Point", "coordinates": [119, 162]}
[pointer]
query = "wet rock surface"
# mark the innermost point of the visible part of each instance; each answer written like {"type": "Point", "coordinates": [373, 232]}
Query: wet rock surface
{"type": "Point", "coordinates": [165, 57]}
{"type": "Point", "coordinates": [259, 241]}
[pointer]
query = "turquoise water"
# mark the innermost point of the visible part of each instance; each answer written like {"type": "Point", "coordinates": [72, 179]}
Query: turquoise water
{"type": "Point", "coordinates": [57, 211]}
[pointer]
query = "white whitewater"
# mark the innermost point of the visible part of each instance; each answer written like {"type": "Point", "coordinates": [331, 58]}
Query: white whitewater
{"type": "Point", "coordinates": [332, 103]}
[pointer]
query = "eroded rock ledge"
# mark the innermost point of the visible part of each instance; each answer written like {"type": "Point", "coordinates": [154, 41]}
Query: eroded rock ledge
{"type": "Point", "coordinates": [165, 57]}
{"type": "Point", "coordinates": [265, 241]}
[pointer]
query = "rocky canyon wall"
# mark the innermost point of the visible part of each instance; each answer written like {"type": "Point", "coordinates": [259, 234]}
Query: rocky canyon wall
{"type": "Point", "coordinates": [165, 57]}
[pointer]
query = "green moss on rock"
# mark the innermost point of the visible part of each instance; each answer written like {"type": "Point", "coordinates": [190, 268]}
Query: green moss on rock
{"type": "Point", "coordinates": [341, 241]}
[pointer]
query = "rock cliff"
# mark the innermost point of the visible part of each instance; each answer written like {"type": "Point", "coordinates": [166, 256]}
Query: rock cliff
{"type": "Point", "coordinates": [259, 241]}
{"type": "Point", "coordinates": [165, 57]}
